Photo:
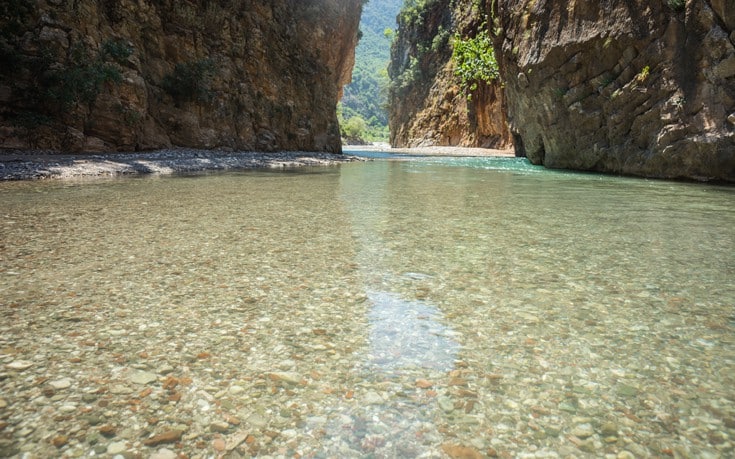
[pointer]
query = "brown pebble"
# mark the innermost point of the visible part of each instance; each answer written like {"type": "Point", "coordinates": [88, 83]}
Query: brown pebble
{"type": "Point", "coordinates": [219, 444]}
{"type": "Point", "coordinates": [424, 383]}
{"type": "Point", "coordinates": [461, 452]}
{"type": "Point", "coordinates": [60, 441]}
{"type": "Point", "coordinates": [170, 436]}
{"type": "Point", "coordinates": [231, 419]}
{"type": "Point", "coordinates": [107, 430]}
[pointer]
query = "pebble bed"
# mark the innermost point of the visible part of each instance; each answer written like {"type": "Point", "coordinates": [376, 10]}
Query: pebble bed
{"type": "Point", "coordinates": [28, 165]}
{"type": "Point", "coordinates": [382, 311]}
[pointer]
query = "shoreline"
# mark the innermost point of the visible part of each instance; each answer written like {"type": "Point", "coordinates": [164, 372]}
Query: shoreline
{"type": "Point", "coordinates": [433, 150]}
{"type": "Point", "coordinates": [37, 165]}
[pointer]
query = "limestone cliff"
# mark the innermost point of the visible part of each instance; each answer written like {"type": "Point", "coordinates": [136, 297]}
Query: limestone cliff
{"type": "Point", "coordinates": [427, 105]}
{"type": "Point", "coordinates": [97, 75]}
{"type": "Point", "coordinates": [625, 86]}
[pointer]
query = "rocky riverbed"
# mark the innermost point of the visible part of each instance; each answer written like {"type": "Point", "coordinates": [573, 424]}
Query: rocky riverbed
{"type": "Point", "coordinates": [28, 165]}
{"type": "Point", "coordinates": [384, 310]}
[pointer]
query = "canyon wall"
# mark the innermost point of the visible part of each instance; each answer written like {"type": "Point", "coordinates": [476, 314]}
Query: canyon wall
{"type": "Point", "coordinates": [104, 75]}
{"type": "Point", "coordinates": [427, 104]}
{"type": "Point", "coordinates": [635, 87]}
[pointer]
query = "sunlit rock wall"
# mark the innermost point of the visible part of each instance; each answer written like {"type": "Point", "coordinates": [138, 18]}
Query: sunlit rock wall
{"type": "Point", "coordinates": [427, 105]}
{"type": "Point", "coordinates": [141, 74]}
{"type": "Point", "coordinates": [624, 86]}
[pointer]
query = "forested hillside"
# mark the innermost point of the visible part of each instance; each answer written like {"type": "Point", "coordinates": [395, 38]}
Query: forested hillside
{"type": "Point", "coordinates": [363, 112]}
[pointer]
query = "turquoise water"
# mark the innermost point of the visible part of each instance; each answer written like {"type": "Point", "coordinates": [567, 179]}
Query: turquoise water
{"type": "Point", "coordinates": [425, 307]}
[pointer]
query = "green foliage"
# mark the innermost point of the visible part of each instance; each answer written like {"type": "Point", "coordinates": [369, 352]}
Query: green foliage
{"type": "Point", "coordinates": [643, 74]}
{"type": "Point", "coordinates": [367, 95]}
{"type": "Point", "coordinates": [409, 77]}
{"type": "Point", "coordinates": [676, 5]}
{"type": "Point", "coordinates": [440, 39]}
{"type": "Point", "coordinates": [355, 127]}
{"type": "Point", "coordinates": [131, 116]}
{"type": "Point", "coordinates": [413, 11]}
{"type": "Point", "coordinates": [374, 129]}
{"type": "Point", "coordinates": [190, 81]}
{"type": "Point", "coordinates": [474, 60]}
{"type": "Point", "coordinates": [561, 92]}
{"type": "Point", "coordinates": [81, 79]}
{"type": "Point", "coordinates": [116, 49]}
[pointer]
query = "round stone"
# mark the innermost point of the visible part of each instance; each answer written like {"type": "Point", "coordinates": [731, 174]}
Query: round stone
{"type": "Point", "coordinates": [163, 453]}
{"type": "Point", "coordinates": [583, 431]}
{"type": "Point", "coordinates": [143, 377]}
{"type": "Point", "coordinates": [59, 384]}
{"type": "Point", "coordinates": [116, 447]}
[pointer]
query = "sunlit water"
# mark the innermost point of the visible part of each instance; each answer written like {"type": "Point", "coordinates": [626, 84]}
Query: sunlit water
{"type": "Point", "coordinates": [386, 309]}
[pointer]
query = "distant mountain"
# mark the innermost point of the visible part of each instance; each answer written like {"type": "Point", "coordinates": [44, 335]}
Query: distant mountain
{"type": "Point", "coordinates": [367, 95]}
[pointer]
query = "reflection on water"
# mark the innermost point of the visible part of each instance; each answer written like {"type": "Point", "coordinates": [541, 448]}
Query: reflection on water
{"type": "Point", "coordinates": [417, 308]}
{"type": "Point", "coordinates": [407, 334]}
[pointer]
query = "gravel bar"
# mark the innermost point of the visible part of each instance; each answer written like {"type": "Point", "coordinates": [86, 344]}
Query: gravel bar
{"type": "Point", "coordinates": [30, 165]}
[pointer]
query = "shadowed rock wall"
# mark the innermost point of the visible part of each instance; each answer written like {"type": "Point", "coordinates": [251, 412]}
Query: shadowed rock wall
{"type": "Point", "coordinates": [625, 86]}
{"type": "Point", "coordinates": [141, 74]}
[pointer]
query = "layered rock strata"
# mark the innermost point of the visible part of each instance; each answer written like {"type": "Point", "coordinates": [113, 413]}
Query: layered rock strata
{"type": "Point", "coordinates": [428, 107]}
{"type": "Point", "coordinates": [141, 74]}
{"type": "Point", "coordinates": [633, 87]}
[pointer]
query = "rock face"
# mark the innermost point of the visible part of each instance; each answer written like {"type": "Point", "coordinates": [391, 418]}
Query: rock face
{"type": "Point", "coordinates": [427, 105]}
{"type": "Point", "coordinates": [634, 87]}
{"type": "Point", "coordinates": [142, 74]}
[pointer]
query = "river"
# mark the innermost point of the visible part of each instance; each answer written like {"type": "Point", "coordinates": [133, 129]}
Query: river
{"type": "Point", "coordinates": [403, 307]}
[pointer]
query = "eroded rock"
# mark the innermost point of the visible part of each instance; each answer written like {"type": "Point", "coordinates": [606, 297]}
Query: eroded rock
{"type": "Point", "coordinates": [136, 75]}
{"type": "Point", "coordinates": [632, 87]}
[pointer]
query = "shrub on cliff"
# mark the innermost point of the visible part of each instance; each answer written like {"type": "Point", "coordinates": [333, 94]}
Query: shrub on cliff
{"type": "Point", "coordinates": [190, 81]}
{"type": "Point", "coordinates": [474, 60]}
{"type": "Point", "coordinates": [413, 12]}
{"type": "Point", "coordinates": [84, 75]}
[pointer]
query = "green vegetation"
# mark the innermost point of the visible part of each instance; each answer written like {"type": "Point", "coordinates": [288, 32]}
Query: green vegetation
{"type": "Point", "coordinates": [676, 5]}
{"type": "Point", "coordinates": [355, 126]}
{"type": "Point", "coordinates": [84, 75]}
{"type": "Point", "coordinates": [367, 95]}
{"type": "Point", "coordinates": [474, 59]}
{"type": "Point", "coordinates": [116, 49]}
{"type": "Point", "coordinates": [190, 81]}
{"type": "Point", "coordinates": [413, 63]}
{"type": "Point", "coordinates": [412, 13]}
{"type": "Point", "coordinates": [643, 74]}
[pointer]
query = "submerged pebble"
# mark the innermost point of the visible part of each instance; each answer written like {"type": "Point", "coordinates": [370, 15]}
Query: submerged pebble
{"type": "Point", "coordinates": [228, 315]}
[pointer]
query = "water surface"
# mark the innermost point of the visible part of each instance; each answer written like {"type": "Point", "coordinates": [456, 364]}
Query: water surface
{"type": "Point", "coordinates": [420, 308]}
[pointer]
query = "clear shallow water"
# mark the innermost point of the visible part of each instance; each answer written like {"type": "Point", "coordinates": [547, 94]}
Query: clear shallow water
{"type": "Point", "coordinates": [423, 308]}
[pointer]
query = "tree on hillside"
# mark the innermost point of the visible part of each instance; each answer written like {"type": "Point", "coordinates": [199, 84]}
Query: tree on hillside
{"type": "Point", "coordinates": [366, 95]}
